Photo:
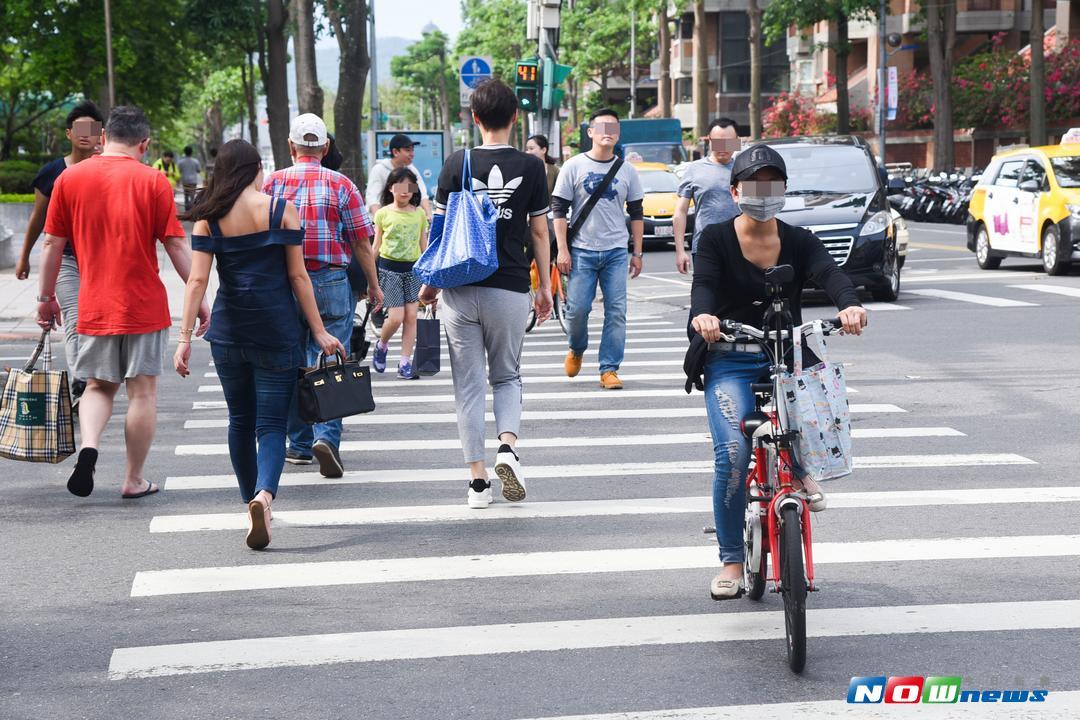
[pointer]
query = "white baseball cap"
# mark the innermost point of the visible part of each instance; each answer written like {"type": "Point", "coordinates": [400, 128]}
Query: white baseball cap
{"type": "Point", "coordinates": [308, 124]}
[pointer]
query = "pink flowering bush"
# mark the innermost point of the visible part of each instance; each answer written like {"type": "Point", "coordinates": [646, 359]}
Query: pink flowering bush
{"type": "Point", "coordinates": [792, 114]}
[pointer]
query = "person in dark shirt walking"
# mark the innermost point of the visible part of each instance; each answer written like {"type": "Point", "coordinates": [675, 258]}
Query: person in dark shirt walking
{"type": "Point", "coordinates": [255, 328]}
{"type": "Point", "coordinates": [485, 321]}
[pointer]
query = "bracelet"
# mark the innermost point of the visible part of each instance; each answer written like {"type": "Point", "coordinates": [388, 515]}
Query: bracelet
{"type": "Point", "coordinates": [45, 298]}
{"type": "Point", "coordinates": [637, 255]}
{"type": "Point", "coordinates": [183, 342]}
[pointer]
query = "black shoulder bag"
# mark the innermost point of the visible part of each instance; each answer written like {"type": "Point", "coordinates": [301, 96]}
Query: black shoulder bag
{"type": "Point", "coordinates": [593, 199]}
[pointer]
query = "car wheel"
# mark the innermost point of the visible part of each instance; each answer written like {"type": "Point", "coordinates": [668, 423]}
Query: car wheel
{"type": "Point", "coordinates": [890, 291]}
{"type": "Point", "coordinates": [900, 261]}
{"type": "Point", "coordinates": [982, 251]}
{"type": "Point", "coordinates": [1053, 259]}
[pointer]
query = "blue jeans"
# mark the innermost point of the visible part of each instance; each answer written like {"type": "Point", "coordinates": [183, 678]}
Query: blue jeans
{"type": "Point", "coordinates": [728, 398]}
{"type": "Point", "coordinates": [258, 387]}
{"type": "Point", "coordinates": [336, 302]}
{"type": "Point", "coordinates": [609, 269]}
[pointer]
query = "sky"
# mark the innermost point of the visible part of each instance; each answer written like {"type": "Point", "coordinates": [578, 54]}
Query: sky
{"type": "Point", "coordinates": [406, 18]}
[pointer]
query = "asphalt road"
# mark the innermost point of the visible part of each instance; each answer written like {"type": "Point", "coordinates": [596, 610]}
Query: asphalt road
{"type": "Point", "coordinates": [951, 551]}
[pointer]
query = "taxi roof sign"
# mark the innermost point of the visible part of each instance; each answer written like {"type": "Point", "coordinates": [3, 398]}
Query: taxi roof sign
{"type": "Point", "coordinates": [1073, 136]}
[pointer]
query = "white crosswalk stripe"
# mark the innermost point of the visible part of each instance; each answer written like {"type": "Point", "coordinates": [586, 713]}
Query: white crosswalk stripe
{"type": "Point", "coordinates": [349, 446]}
{"type": "Point", "coordinates": [971, 298]}
{"type": "Point", "coordinates": [1052, 289]}
{"type": "Point", "coordinates": [412, 644]}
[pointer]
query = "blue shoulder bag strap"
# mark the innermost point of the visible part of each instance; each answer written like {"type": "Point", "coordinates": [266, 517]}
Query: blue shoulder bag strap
{"type": "Point", "coordinates": [277, 212]}
{"type": "Point", "coordinates": [466, 173]}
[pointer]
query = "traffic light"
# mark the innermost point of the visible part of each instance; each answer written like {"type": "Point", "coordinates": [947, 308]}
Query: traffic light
{"type": "Point", "coordinates": [554, 75]}
{"type": "Point", "coordinates": [527, 84]}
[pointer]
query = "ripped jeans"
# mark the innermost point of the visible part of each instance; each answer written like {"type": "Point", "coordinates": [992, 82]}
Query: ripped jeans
{"type": "Point", "coordinates": [728, 398]}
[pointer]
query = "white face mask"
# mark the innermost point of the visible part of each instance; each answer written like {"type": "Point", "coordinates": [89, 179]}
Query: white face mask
{"type": "Point", "coordinates": [762, 209]}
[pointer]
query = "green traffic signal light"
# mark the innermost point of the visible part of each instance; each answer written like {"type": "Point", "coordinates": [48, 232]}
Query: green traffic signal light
{"type": "Point", "coordinates": [528, 99]}
{"type": "Point", "coordinates": [527, 84]}
{"type": "Point", "coordinates": [554, 75]}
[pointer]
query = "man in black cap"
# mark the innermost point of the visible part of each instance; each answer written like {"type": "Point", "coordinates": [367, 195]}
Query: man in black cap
{"type": "Point", "coordinates": [402, 150]}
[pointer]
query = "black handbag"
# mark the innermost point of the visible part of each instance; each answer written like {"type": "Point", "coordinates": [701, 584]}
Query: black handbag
{"type": "Point", "coordinates": [426, 356]}
{"type": "Point", "coordinates": [328, 392]}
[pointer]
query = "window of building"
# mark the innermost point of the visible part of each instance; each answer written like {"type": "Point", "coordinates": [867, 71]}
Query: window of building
{"type": "Point", "coordinates": [684, 90]}
{"type": "Point", "coordinates": [735, 58]}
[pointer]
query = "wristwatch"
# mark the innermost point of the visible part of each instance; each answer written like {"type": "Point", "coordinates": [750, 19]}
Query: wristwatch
{"type": "Point", "coordinates": [637, 255]}
{"type": "Point", "coordinates": [45, 298]}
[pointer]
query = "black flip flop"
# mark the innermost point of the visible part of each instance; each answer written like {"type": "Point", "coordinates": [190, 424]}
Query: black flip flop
{"type": "Point", "coordinates": [150, 490]}
{"type": "Point", "coordinates": [81, 481]}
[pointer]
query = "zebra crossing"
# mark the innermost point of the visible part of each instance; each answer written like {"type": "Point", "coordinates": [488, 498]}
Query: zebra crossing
{"type": "Point", "coordinates": [603, 566]}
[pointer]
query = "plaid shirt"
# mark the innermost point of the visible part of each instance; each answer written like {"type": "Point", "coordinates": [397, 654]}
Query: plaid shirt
{"type": "Point", "coordinates": [331, 210]}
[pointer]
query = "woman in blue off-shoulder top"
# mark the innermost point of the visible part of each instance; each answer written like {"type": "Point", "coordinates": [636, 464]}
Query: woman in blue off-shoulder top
{"type": "Point", "coordinates": [255, 326]}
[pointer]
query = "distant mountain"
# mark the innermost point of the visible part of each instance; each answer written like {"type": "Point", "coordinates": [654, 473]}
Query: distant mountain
{"type": "Point", "coordinates": [326, 63]}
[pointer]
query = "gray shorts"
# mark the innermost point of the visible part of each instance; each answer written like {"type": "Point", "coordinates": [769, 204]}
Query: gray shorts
{"type": "Point", "coordinates": [114, 358]}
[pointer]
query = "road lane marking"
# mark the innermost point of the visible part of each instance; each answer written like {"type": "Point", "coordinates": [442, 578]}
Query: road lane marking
{"type": "Point", "coordinates": [1054, 289]}
{"type": "Point", "coordinates": [879, 306]}
{"type": "Point", "coordinates": [478, 640]}
{"type": "Point", "coordinates": [938, 246]}
{"type": "Point", "coordinates": [1002, 276]}
{"type": "Point", "coordinates": [574, 472]}
{"type": "Point", "coordinates": [428, 444]}
{"type": "Point", "coordinates": [573, 562]}
{"type": "Point", "coordinates": [653, 276]}
{"type": "Point", "coordinates": [970, 298]}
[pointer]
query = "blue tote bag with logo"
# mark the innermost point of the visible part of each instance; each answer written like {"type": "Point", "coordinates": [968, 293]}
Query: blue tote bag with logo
{"type": "Point", "coordinates": [462, 248]}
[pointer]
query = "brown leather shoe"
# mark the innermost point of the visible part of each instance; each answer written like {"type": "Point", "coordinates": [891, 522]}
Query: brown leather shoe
{"type": "Point", "coordinates": [258, 536]}
{"type": "Point", "coordinates": [610, 381]}
{"type": "Point", "coordinates": [572, 364]}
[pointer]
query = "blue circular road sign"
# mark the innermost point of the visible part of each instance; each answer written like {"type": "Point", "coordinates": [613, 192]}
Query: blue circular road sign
{"type": "Point", "coordinates": [475, 70]}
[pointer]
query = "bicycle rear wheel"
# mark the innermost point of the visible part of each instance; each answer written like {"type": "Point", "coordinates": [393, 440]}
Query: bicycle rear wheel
{"type": "Point", "coordinates": [793, 577]}
{"type": "Point", "coordinates": [531, 322]}
{"type": "Point", "coordinates": [558, 308]}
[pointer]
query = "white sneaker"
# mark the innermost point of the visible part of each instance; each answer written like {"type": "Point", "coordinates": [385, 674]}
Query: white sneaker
{"type": "Point", "coordinates": [508, 468]}
{"type": "Point", "coordinates": [479, 494]}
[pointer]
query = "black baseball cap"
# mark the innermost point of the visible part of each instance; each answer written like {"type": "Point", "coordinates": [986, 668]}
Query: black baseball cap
{"type": "Point", "coordinates": [400, 142]}
{"type": "Point", "coordinates": [752, 159]}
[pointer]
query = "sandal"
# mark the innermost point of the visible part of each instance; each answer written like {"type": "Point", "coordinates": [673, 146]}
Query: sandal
{"type": "Point", "coordinates": [258, 536]}
{"type": "Point", "coordinates": [815, 498]}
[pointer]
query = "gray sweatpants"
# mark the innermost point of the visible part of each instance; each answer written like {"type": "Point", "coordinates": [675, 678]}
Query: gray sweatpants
{"type": "Point", "coordinates": [67, 295]}
{"type": "Point", "coordinates": [485, 330]}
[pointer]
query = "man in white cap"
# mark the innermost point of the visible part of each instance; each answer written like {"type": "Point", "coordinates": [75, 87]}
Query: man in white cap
{"type": "Point", "coordinates": [336, 225]}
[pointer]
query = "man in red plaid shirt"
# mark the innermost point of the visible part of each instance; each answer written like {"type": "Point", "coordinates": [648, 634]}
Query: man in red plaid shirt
{"type": "Point", "coordinates": [336, 225]}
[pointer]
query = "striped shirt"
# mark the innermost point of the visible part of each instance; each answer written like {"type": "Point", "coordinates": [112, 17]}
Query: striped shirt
{"type": "Point", "coordinates": [331, 210]}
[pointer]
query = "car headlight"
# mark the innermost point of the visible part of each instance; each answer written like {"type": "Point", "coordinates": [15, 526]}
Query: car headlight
{"type": "Point", "coordinates": [1074, 210]}
{"type": "Point", "coordinates": [878, 222]}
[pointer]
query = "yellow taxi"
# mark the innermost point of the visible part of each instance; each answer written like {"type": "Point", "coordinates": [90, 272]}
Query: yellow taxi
{"type": "Point", "coordinates": [661, 187]}
{"type": "Point", "coordinates": [1027, 204]}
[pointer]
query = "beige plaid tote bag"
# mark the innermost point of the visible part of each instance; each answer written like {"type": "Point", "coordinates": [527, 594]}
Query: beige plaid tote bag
{"type": "Point", "coordinates": [36, 424]}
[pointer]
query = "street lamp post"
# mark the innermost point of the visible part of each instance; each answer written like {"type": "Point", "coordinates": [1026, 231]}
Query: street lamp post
{"type": "Point", "coordinates": [108, 54]}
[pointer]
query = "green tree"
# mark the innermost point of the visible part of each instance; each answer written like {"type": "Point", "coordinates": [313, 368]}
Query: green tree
{"type": "Point", "coordinates": [427, 70]}
{"type": "Point", "coordinates": [782, 14]}
{"type": "Point", "coordinates": [495, 28]}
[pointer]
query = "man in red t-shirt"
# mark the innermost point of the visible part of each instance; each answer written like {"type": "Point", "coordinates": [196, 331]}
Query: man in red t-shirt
{"type": "Point", "coordinates": [114, 210]}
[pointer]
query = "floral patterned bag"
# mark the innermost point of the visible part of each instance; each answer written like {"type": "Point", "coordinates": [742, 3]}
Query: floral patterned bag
{"type": "Point", "coordinates": [815, 405]}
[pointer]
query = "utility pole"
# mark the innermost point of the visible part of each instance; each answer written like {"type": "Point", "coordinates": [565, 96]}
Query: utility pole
{"type": "Point", "coordinates": [547, 15]}
{"type": "Point", "coordinates": [633, 61]}
{"type": "Point", "coordinates": [882, 76]}
{"type": "Point", "coordinates": [108, 55]}
{"type": "Point", "coordinates": [373, 84]}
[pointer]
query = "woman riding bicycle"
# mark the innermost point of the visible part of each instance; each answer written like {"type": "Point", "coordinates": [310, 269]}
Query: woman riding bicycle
{"type": "Point", "coordinates": [729, 284]}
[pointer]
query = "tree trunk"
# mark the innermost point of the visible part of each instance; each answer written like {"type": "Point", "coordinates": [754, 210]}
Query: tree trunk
{"type": "Point", "coordinates": [309, 95]}
{"type": "Point", "coordinates": [572, 87]}
{"type": "Point", "coordinates": [663, 88]}
{"type": "Point", "coordinates": [444, 96]}
{"type": "Point", "coordinates": [1038, 76]}
{"type": "Point", "coordinates": [249, 96]}
{"type": "Point", "coordinates": [754, 12]}
{"type": "Point", "coordinates": [274, 64]}
{"type": "Point", "coordinates": [843, 105]}
{"type": "Point", "coordinates": [941, 37]}
{"type": "Point", "coordinates": [349, 20]}
{"type": "Point", "coordinates": [701, 71]}
{"type": "Point", "coordinates": [215, 129]}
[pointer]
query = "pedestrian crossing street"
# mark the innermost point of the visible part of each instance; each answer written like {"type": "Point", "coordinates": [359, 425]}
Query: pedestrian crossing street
{"type": "Point", "coordinates": [599, 579]}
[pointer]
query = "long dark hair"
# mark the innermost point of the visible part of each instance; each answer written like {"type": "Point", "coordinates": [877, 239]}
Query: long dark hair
{"type": "Point", "coordinates": [401, 174]}
{"type": "Point", "coordinates": [542, 143]}
{"type": "Point", "coordinates": [235, 168]}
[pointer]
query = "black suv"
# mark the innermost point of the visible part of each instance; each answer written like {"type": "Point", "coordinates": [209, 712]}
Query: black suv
{"type": "Point", "coordinates": [835, 189]}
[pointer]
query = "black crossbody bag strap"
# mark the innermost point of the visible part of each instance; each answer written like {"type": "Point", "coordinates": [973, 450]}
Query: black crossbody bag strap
{"type": "Point", "coordinates": [593, 199]}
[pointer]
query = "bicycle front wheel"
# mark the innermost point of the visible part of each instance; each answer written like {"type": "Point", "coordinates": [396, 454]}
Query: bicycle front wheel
{"type": "Point", "coordinates": [558, 308]}
{"type": "Point", "coordinates": [530, 323]}
{"type": "Point", "coordinates": [793, 577]}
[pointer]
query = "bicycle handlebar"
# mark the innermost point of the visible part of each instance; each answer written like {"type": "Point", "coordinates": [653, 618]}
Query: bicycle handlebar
{"type": "Point", "coordinates": [828, 326]}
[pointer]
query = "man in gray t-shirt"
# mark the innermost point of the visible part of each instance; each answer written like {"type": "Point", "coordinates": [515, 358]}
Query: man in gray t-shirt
{"type": "Point", "coordinates": [189, 176]}
{"type": "Point", "coordinates": [597, 254]}
{"type": "Point", "coordinates": [708, 183]}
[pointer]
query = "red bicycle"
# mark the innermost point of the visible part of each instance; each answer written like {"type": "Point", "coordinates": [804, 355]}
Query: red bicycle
{"type": "Point", "coordinates": [777, 519]}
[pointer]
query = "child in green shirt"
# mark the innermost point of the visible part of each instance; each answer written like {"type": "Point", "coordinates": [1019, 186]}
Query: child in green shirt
{"type": "Point", "coordinates": [401, 235]}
